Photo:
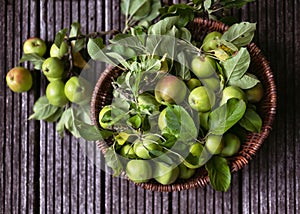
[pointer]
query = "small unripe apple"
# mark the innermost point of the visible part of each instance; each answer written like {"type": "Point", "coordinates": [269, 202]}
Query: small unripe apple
{"type": "Point", "coordinates": [203, 66]}
{"type": "Point", "coordinates": [53, 68]}
{"type": "Point", "coordinates": [55, 93]}
{"type": "Point", "coordinates": [164, 173]}
{"type": "Point", "coordinates": [59, 52]}
{"type": "Point", "coordinates": [19, 79]}
{"type": "Point", "coordinates": [202, 99]}
{"type": "Point", "coordinates": [214, 144]}
{"type": "Point", "coordinates": [170, 89]}
{"type": "Point", "coordinates": [78, 90]}
{"type": "Point", "coordinates": [232, 92]}
{"type": "Point", "coordinates": [211, 41]}
{"type": "Point", "coordinates": [35, 45]}
{"type": "Point", "coordinates": [193, 83]}
{"type": "Point", "coordinates": [139, 171]}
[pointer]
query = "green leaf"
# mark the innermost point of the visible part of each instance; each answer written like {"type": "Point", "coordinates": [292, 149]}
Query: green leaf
{"type": "Point", "coordinates": [130, 42]}
{"type": "Point", "coordinates": [79, 45]}
{"type": "Point", "coordinates": [155, 5]}
{"type": "Point", "coordinates": [163, 26]}
{"type": "Point", "coordinates": [91, 132]}
{"type": "Point", "coordinates": [251, 121]}
{"type": "Point", "coordinates": [123, 51]}
{"type": "Point", "coordinates": [125, 6]}
{"type": "Point", "coordinates": [135, 121]}
{"type": "Point", "coordinates": [185, 34]}
{"type": "Point", "coordinates": [139, 8]}
{"type": "Point", "coordinates": [75, 29]}
{"type": "Point", "coordinates": [43, 109]}
{"type": "Point", "coordinates": [185, 13]}
{"type": "Point", "coordinates": [224, 117]}
{"type": "Point", "coordinates": [118, 59]}
{"type": "Point", "coordinates": [70, 124]}
{"type": "Point", "coordinates": [53, 118]}
{"type": "Point", "coordinates": [60, 36]}
{"type": "Point", "coordinates": [112, 160]}
{"type": "Point", "coordinates": [245, 82]}
{"type": "Point", "coordinates": [236, 67]}
{"type": "Point", "coordinates": [181, 67]}
{"type": "Point", "coordinates": [219, 173]}
{"type": "Point", "coordinates": [35, 59]}
{"type": "Point", "coordinates": [179, 123]}
{"type": "Point", "coordinates": [207, 4]}
{"type": "Point", "coordinates": [229, 45]}
{"type": "Point", "coordinates": [94, 48]}
{"type": "Point", "coordinates": [240, 34]}
{"type": "Point", "coordinates": [67, 121]}
{"type": "Point", "coordinates": [60, 126]}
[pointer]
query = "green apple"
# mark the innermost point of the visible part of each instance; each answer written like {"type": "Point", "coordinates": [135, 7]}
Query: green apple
{"type": "Point", "coordinates": [211, 41]}
{"type": "Point", "coordinates": [185, 172]}
{"type": "Point", "coordinates": [165, 173]}
{"type": "Point", "coordinates": [255, 94]}
{"type": "Point", "coordinates": [127, 151]}
{"type": "Point", "coordinates": [170, 89]}
{"type": "Point", "coordinates": [59, 52]}
{"type": "Point", "coordinates": [143, 148]}
{"type": "Point", "coordinates": [35, 45]}
{"type": "Point", "coordinates": [213, 83]}
{"type": "Point", "coordinates": [53, 68]}
{"type": "Point", "coordinates": [162, 121]}
{"type": "Point", "coordinates": [202, 99]}
{"type": "Point", "coordinates": [231, 145]}
{"type": "Point", "coordinates": [139, 171]}
{"type": "Point", "coordinates": [232, 92]}
{"type": "Point", "coordinates": [193, 83]}
{"type": "Point", "coordinates": [105, 117]}
{"type": "Point", "coordinates": [147, 101]}
{"type": "Point", "coordinates": [196, 149]}
{"type": "Point", "coordinates": [214, 144]}
{"type": "Point", "coordinates": [19, 79]}
{"type": "Point", "coordinates": [197, 156]}
{"type": "Point", "coordinates": [78, 90]}
{"type": "Point", "coordinates": [203, 118]}
{"type": "Point", "coordinates": [55, 93]}
{"type": "Point", "coordinates": [203, 66]}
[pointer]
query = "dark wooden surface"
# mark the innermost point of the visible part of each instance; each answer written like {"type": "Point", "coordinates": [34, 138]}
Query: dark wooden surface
{"type": "Point", "coordinates": [42, 173]}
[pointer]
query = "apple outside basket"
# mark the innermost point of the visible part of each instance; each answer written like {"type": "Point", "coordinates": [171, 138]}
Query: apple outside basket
{"type": "Point", "coordinates": [259, 66]}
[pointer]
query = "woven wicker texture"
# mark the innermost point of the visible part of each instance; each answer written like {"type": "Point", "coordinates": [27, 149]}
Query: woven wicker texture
{"type": "Point", "coordinates": [267, 108]}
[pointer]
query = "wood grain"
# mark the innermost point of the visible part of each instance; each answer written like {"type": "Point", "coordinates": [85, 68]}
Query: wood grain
{"type": "Point", "coordinates": [42, 173]}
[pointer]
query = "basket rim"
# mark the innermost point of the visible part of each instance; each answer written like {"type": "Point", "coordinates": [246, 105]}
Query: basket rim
{"type": "Point", "coordinates": [237, 162]}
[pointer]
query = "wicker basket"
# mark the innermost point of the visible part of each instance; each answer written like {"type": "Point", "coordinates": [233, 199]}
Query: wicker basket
{"type": "Point", "coordinates": [267, 108]}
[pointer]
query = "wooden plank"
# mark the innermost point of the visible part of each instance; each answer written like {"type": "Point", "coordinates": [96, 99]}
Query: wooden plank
{"type": "Point", "coordinates": [262, 160]}
{"type": "Point", "coordinates": [232, 202]}
{"type": "Point", "coordinates": [28, 133]}
{"type": "Point", "coordinates": [183, 201]}
{"type": "Point", "coordinates": [3, 107]}
{"type": "Point", "coordinates": [192, 201]}
{"type": "Point", "coordinates": [282, 92]}
{"type": "Point", "coordinates": [149, 202]}
{"type": "Point", "coordinates": [201, 200]}
{"type": "Point", "coordinates": [67, 143]}
{"type": "Point", "coordinates": [210, 202]}
{"type": "Point", "coordinates": [272, 140]}
{"type": "Point", "coordinates": [175, 202]}
{"type": "Point", "coordinates": [9, 191]}
{"type": "Point", "coordinates": [296, 33]}
{"type": "Point", "coordinates": [290, 152]}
